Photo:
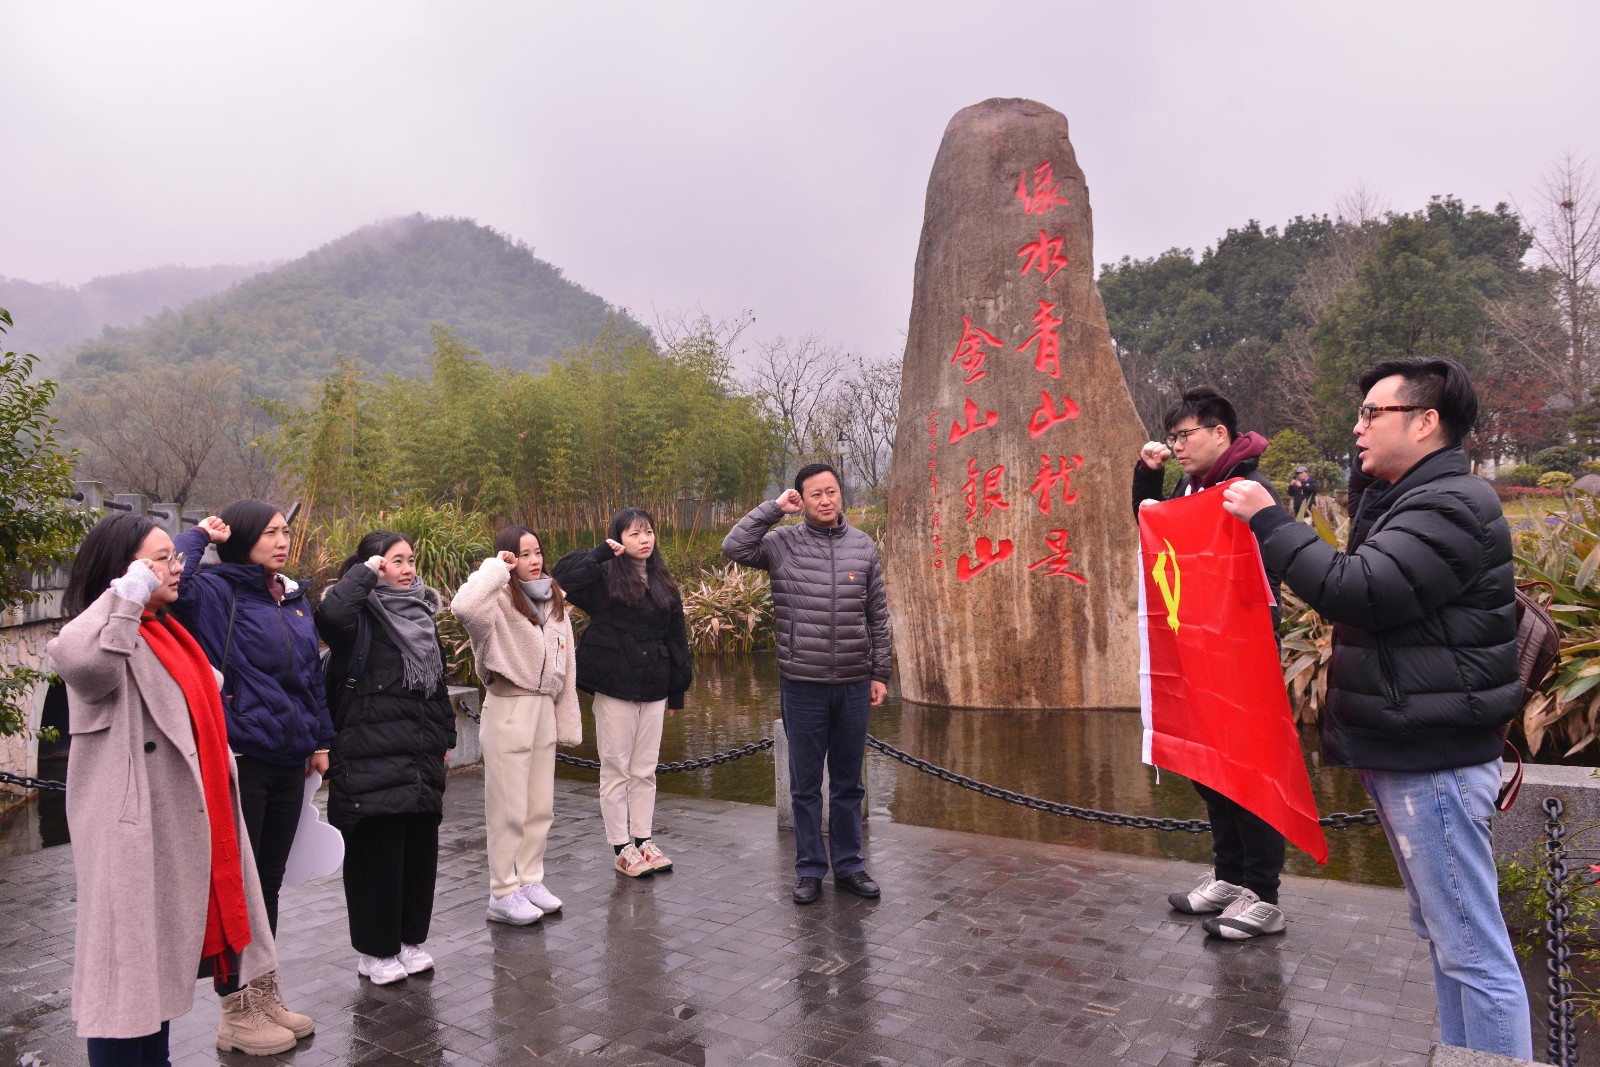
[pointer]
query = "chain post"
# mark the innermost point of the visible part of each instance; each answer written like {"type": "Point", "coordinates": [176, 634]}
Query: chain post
{"type": "Point", "coordinates": [1563, 1039]}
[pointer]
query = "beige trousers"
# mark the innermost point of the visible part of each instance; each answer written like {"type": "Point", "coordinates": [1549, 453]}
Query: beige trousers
{"type": "Point", "coordinates": [628, 735]}
{"type": "Point", "coordinates": [519, 783]}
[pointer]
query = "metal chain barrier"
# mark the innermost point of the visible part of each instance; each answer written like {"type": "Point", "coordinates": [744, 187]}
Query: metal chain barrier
{"type": "Point", "coordinates": [26, 782]}
{"type": "Point", "coordinates": [1563, 1043]}
{"type": "Point", "coordinates": [683, 765]}
{"type": "Point", "coordinates": [1339, 820]}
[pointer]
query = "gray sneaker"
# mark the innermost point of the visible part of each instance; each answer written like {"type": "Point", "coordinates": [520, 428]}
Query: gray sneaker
{"type": "Point", "coordinates": [1248, 916]}
{"type": "Point", "coordinates": [1207, 898]}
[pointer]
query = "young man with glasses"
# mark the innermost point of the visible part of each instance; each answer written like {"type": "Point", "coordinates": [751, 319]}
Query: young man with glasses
{"type": "Point", "coordinates": [1423, 674]}
{"type": "Point", "coordinates": [1203, 434]}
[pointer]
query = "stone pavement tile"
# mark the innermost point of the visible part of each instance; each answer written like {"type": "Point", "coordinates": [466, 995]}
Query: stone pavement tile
{"type": "Point", "coordinates": [982, 951]}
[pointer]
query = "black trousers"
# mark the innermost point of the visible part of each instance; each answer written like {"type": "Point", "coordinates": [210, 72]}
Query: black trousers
{"type": "Point", "coordinates": [150, 1050]}
{"type": "Point", "coordinates": [391, 863]}
{"type": "Point", "coordinates": [1247, 850]}
{"type": "Point", "coordinates": [271, 798]}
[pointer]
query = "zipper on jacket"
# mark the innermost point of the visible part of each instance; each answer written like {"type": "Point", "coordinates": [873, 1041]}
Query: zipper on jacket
{"type": "Point", "coordinates": [833, 615]}
{"type": "Point", "coordinates": [1386, 669]}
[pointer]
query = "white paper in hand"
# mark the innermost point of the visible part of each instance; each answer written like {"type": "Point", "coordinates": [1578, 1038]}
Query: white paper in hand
{"type": "Point", "coordinates": [318, 848]}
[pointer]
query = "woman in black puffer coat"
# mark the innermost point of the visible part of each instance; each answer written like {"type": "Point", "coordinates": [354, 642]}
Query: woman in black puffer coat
{"type": "Point", "coordinates": [394, 729]}
{"type": "Point", "coordinates": [634, 658]}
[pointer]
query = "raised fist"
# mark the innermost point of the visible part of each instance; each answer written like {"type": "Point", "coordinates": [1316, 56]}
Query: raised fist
{"type": "Point", "coordinates": [789, 501]}
{"type": "Point", "coordinates": [215, 529]}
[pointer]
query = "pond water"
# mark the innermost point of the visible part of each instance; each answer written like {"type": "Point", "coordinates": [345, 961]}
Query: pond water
{"type": "Point", "coordinates": [1086, 758]}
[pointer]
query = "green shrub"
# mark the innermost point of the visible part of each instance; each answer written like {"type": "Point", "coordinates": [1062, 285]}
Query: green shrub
{"type": "Point", "coordinates": [1559, 458]}
{"type": "Point", "coordinates": [1290, 449]}
{"type": "Point", "coordinates": [1555, 480]}
{"type": "Point", "coordinates": [1523, 474]}
{"type": "Point", "coordinates": [1591, 467]}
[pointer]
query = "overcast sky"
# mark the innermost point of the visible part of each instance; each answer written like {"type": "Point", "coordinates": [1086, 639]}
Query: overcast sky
{"type": "Point", "coordinates": [675, 154]}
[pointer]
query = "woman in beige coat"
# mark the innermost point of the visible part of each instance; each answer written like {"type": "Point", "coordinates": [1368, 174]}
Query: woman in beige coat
{"type": "Point", "coordinates": [148, 764]}
{"type": "Point", "coordinates": [521, 632]}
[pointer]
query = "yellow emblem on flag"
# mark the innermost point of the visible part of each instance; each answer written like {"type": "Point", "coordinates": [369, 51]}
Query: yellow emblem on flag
{"type": "Point", "coordinates": [1169, 593]}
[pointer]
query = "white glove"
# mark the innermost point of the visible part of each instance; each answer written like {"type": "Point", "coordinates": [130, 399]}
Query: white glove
{"type": "Point", "coordinates": [138, 583]}
{"type": "Point", "coordinates": [373, 564]}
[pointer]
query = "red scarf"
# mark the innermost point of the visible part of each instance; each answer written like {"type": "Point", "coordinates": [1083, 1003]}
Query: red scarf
{"type": "Point", "coordinates": [227, 919]}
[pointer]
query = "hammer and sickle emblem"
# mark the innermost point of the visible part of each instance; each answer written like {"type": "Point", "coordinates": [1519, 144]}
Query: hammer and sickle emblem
{"type": "Point", "coordinates": [1170, 593]}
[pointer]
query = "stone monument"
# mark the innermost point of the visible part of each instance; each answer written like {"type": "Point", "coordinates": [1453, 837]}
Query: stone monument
{"type": "Point", "coordinates": [1012, 557]}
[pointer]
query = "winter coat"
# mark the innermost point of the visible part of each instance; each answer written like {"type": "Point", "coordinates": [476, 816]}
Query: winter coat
{"type": "Point", "coordinates": [141, 838]}
{"type": "Point", "coordinates": [1424, 665]}
{"type": "Point", "coordinates": [636, 652]}
{"type": "Point", "coordinates": [1147, 486]}
{"type": "Point", "coordinates": [272, 680]}
{"type": "Point", "coordinates": [509, 647]}
{"type": "Point", "coordinates": [387, 756]}
{"type": "Point", "coordinates": [831, 616]}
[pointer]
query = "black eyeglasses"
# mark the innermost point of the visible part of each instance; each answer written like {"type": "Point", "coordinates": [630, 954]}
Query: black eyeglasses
{"type": "Point", "coordinates": [1365, 412]}
{"type": "Point", "coordinates": [1182, 436]}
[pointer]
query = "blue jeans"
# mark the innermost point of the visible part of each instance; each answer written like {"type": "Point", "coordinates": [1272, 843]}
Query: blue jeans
{"type": "Point", "coordinates": [826, 723]}
{"type": "Point", "coordinates": [1438, 828]}
{"type": "Point", "coordinates": [148, 1051]}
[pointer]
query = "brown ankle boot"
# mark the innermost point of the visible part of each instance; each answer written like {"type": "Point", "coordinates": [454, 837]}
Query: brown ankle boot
{"type": "Point", "coordinates": [272, 1000]}
{"type": "Point", "coordinates": [245, 1026]}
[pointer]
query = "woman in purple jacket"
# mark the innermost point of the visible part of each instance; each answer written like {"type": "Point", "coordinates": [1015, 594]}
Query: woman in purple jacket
{"type": "Point", "coordinates": [256, 627]}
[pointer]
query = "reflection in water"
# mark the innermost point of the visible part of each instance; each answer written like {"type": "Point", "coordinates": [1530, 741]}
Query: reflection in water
{"type": "Point", "coordinates": [1087, 758]}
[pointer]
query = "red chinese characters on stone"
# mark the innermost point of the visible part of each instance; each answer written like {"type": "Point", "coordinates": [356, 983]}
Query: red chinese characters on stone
{"type": "Point", "coordinates": [991, 501]}
{"type": "Point", "coordinates": [969, 413]}
{"type": "Point", "coordinates": [1043, 255]}
{"type": "Point", "coordinates": [1046, 190]}
{"type": "Point", "coordinates": [1046, 415]}
{"type": "Point", "coordinates": [985, 554]}
{"type": "Point", "coordinates": [1047, 335]}
{"type": "Point", "coordinates": [969, 353]}
{"type": "Point", "coordinates": [1051, 476]}
{"type": "Point", "coordinates": [1059, 559]}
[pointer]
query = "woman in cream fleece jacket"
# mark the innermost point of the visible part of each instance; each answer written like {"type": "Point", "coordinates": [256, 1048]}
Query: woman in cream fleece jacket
{"type": "Point", "coordinates": [521, 632]}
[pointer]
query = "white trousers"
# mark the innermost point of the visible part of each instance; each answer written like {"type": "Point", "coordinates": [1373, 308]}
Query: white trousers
{"type": "Point", "coordinates": [628, 735]}
{"type": "Point", "coordinates": [519, 783]}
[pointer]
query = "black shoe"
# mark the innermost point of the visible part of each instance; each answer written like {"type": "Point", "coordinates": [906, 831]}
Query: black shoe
{"type": "Point", "coordinates": [807, 890]}
{"type": "Point", "coordinates": [860, 883]}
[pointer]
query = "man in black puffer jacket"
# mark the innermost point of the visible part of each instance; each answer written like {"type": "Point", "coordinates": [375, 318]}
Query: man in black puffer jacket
{"type": "Point", "coordinates": [1423, 673]}
{"type": "Point", "coordinates": [832, 622]}
{"type": "Point", "coordinates": [1247, 852]}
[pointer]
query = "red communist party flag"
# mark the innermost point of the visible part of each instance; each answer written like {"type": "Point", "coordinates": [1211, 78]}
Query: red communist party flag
{"type": "Point", "coordinates": [1214, 704]}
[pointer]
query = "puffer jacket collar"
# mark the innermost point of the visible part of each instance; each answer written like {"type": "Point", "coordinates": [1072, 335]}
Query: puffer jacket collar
{"type": "Point", "coordinates": [1380, 496]}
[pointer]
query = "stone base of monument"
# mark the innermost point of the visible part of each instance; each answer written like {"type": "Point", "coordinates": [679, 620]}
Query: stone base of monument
{"type": "Point", "coordinates": [780, 772]}
{"type": "Point", "coordinates": [466, 700]}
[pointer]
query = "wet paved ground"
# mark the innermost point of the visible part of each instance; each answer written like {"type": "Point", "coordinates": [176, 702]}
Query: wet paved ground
{"type": "Point", "coordinates": [982, 951]}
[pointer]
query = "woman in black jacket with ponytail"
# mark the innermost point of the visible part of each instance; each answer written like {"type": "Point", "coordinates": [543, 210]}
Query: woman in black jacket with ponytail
{"type": "Point", "coordinates": [634, 658]}
{"type": "Point", "coordinates": [394, 726]}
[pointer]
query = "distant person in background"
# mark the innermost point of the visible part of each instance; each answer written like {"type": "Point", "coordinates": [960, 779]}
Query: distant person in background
{"type": "Point", "coordinates": [395, 729]}
{"type": "Point", "coordinates": [1302, 492]}
{"type": "Point", "coordinates": [634, 658]}
{"type": "Point", "coordinates": [255, 625]}
{"type": "Point", "coordinates": [166, 882]}
{"type": "Point", "coordinates": [521, 631]}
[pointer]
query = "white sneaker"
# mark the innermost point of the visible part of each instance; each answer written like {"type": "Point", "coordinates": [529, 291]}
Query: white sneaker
{"type": "Point", "coordinates": [381, 971]}
{"type": "Point", "coordinates": [1248, 916]}
{"type": "Point", "coordinates": [1207, 898]}
{"type": "Point", "coordinates": [513, 908]}
{"type": "Point", "coordinates": [414, 960]}
{"type": "Point", "coordinates": [540, 897]}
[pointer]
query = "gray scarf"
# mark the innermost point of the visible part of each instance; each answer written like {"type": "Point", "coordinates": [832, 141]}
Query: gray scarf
{"type": "Point", "coordinates": [539, 591]}
{"type": "Point", "coordinates": [407, 615]}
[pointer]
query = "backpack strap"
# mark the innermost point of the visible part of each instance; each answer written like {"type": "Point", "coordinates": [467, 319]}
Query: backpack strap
{"type": "Point", "coordinates": [227, 648]}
